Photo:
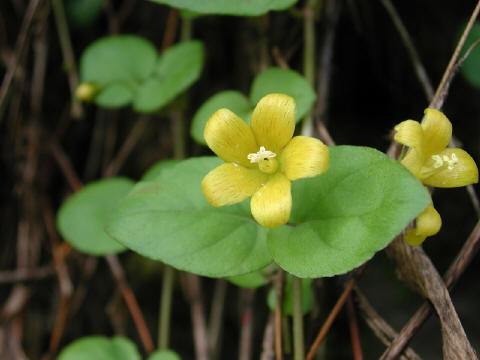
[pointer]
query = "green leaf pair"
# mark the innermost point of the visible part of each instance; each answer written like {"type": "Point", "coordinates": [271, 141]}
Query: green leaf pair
{"type": "Point", "coordinates": [339, 219]}
{"type": "Point", "coordinates": [272, 80]}
{"type": "Point", "coordinates": [229, 7]}
{"type": "Point", "coordinates": [115, 348]}
{"type": "Point", "coordinates": [126, 70]}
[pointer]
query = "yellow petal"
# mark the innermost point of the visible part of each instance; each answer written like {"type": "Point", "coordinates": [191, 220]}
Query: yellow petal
{"type": "Point", "coordinates": [272, 203]}
{"type": "Point", "coordinates": [463, 172]}
{"type": "Point", "coordinates": [409, 133]}
{"type": "Point", "coordinates": [230, 137]}
{"type": "Point", "coordinates": [273, 121]}
{"type": "Point", "coordinates": [304, 157]}
{"type": "Point", "coordinates": [437, 131]}
{"type": "Point", "coordinates": [428, 223]}
{"type": "Point", "coordinates": [231, 183]}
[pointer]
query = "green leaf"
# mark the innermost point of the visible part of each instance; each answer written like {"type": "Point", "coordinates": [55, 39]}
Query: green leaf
{"type": "Point", "coordinates": [164, 355]}
{"type": "Point", "coordinates": [176, 69]}
{"type": "Point", "coordinates": [114, 95]}
{"type": "Point", "coordinates": [158, 168]}
{"type": "Point", "coordinates": [344, 216]}
{"type": "Point", "coordinates": [229, 7]}
{"type": "Point", "coordinates": [232, 100]}
{"type": "Point", "coordinates": [100, 348]}
{"type": "Point", "coordinates": [471, 67]}
{"type": "Point", "coordinates": [169, 220]}
{"type": "Point", "coordinates": [251, 280]}
{"type": "Point", "coordinates": [277, 80]}
{"type": "Point", "coordinates": [81, 218]}
{"type": "Point", "coordinates": [122, 58]}
{"type": "Point", "coordinates": [287, 308]}
{"type": "Point", "coordinates": [117, 65]}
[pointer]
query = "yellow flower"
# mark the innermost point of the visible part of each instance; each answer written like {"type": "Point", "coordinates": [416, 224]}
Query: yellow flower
{"type": "Point", "coordinates": [429, 159]}
{"type": "Point", "coordinates": [261, 159]}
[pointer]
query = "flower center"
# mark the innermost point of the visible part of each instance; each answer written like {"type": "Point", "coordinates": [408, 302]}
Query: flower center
{"type": "Point", "coordinates": [265, 159]}
{"type": "Point", "coordinates": [440, 161]}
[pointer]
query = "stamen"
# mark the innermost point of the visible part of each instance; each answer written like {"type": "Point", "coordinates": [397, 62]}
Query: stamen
{"type": "Point", "coordinates": [262, 154]}
{"type": "Point", "coordinates": [438, 161]}
{"type": "Point", "coordinates": [451, 161]}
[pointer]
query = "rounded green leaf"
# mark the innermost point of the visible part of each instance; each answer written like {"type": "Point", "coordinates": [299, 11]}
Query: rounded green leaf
{"type": "Point", "coordinates": [277, 80]}
{"type": "Point", "coordinates": [169, 220]}
{"type": "Point", "coordinates": [164, 355]}
{"type": "Point", "coordinates": [229, 7]}
{"type": "Point", "coordinates": [471, 67]}
{"type": "Point", "coordinates": [114, 95]}
{"type": "Point", "coordinates": [251, 280]}
{"type": "Point", "coordinates": [158, 168]}
{"type": "Point", "coordinates": [100, 348]}
{"type": "Point", "coordinates": [341, 218]}
{"type": "Point", "coordinates": [287, 308]}
{"type": "Point", "coordinates": [232, 100]}
{"type": "Point", "coordinates": [119, 58]}
{"type": "Point", "coordinates": [176, 69]}
{"type": "Point", "coordinates": [81, 218]}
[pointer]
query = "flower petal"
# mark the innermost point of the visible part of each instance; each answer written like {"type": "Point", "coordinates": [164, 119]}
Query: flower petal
{"type": "Point", "coordinates": [437, 131]}
{"type": "Point", "coordinates": [464, 172]}
{"type": "Point", "coordinates": [272, 203]}
{"type": "Point", "coordinates": [304, 157]}
{"type": "Point", "coordinates": [230, 137]}
{"type": "Point", "coordinates": [231, 183]}
{"type": "Point", "coordinates": [410, 133]}
{"type": "Point", "coordinates": [413, 162]}
{"type": "Point", "coordinates": [428, 223]}
{"type": "Point", "coordinates": [273, 121]}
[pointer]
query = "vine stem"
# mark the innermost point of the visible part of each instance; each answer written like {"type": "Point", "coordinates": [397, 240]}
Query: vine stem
{"type": "Point", "coordinates": [68, 54]}
{"type": "Point", "coordinates": [298, 346]}
{"type": "Point", "coordinates": [442, 89]}
{"type": "Point", "coordinates": [165, 307]}
{"type": "Point", "coordinates": [309, 56]}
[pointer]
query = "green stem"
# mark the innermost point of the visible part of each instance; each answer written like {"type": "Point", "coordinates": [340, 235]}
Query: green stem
{"type": "Point", "coordinates": [298, 346]}
{"type": "Point", "coordinates": [309, 57]}
{"type": "Point", "coordinates": [165, 308]}
{"type": "Point", "coordinates": [186, 31]}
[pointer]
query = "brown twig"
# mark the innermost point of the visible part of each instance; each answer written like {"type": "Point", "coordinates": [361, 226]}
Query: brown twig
{"type": "Point", "coordinates": [68, 55]}
{"type": "Point", "coordinates": [354, 332]}
{"type": "Point", "coordinates": [216, 318]}
{"type": "Point", "coordinates": [456, 269]}
{"type": "Point", "coordinates": [65, 165]}
{"type": "Point", "coordinates": [382, 330]}
{"type": "Point", "coordinates": [246, 324]}
{"type": "Point", "coordinates": [112, 260]}
{"type": "Point", "coordinates": [170, 29]}
{"type": "Point", "coordinates": [442, 89]}
{"type": "Point", "coordinates": [131, 301]}
{"type": "Point", "coordinates": [330, 319]}
{"type": "Point", "coordinates": [420, 71]}
{"type": "Point", "coordinates": [20, 47]}
{"type": "Point", "coordinates": [193, 291]}
{"type": "Point", "coordinates": [417, 270]}
{"type": "Point", "coordinates": [65, 284]}
{"type": "Point", "coordinates": [26, 274]}
{"type": "Point", "coordinates": [128, 145]}
{"type": "Point", "coordinates": [279, 58]}
{"type": "Point", "coordinates": [268, 352]}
